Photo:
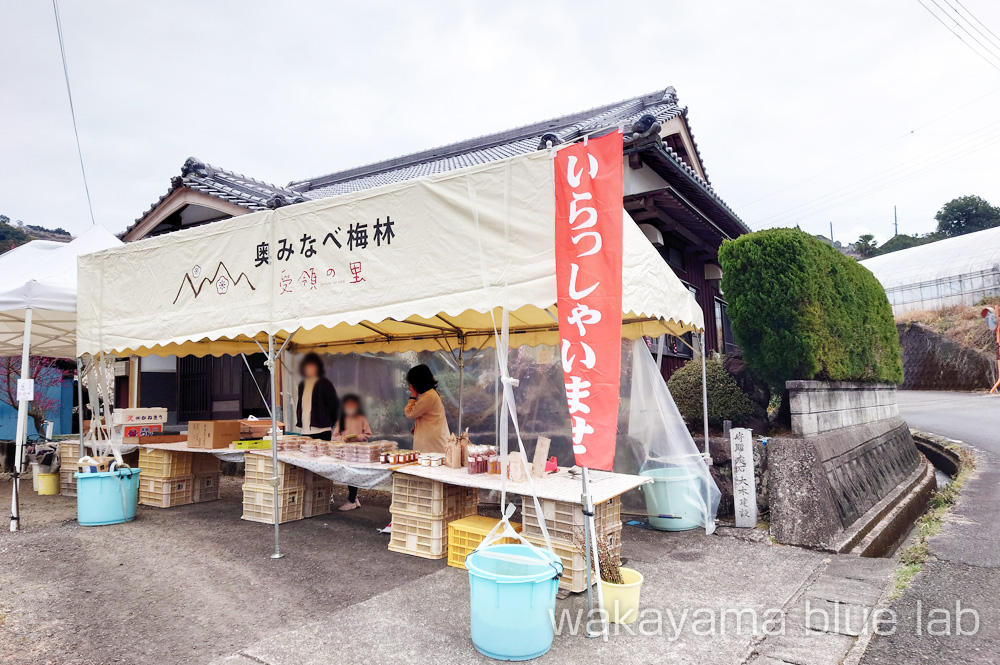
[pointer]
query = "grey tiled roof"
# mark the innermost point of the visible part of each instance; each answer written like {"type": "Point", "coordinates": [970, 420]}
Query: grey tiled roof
{"type": "Point", "coordinates": [662, 105]}
{"type": "Point", "coordinates": [229, 186]}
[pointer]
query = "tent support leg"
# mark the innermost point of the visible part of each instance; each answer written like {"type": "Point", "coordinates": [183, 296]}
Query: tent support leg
{"type": "Point", "coordinates": [274, 445]}
{"type": "Point", "coordinates": [461, 372]}
{"type": "Point", "coordinates": [704, 395]}
{"type": "Point", "coordinates": [79, 400]}
{"type": "Point", "coordinates": [593, 562]}
{"type": "Point", "coordinates": [22, 425]}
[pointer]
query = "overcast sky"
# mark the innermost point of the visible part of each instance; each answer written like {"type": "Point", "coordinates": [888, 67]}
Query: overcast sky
{"type": "Point", "coordinates": [852, 97]}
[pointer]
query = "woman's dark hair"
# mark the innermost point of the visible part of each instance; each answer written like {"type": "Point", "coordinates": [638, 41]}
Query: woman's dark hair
{"type": "Point", "coordinates": [312, 358]}
{"type": "Point", "coordinates": [343, 414]}
{"type": "Point", "coordinates": [421, 379]}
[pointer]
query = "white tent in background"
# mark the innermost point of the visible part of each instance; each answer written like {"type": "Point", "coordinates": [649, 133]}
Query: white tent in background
{"type": "Point", "coordinates": [38, 310]}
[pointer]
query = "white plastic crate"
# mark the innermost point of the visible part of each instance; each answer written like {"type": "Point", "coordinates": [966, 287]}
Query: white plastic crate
{"type": "Point", "coordinates": [259, 470]}
{"type": "Point", "coordinates": [564, 520]}
{"type": "Point", "coordinates": [574, 576]}
{"type": "Point", "coordinates": [430, 499]}
{"type": "Point", "coordinates": [158, 463]}
{"type": "Point", "coordinates": [317, 495]}
{"type": "Point", "coordinates": [419, 536]}
{"type": "Point", "coordinates": [258, 504]}
{"type": "Point", "coordinates": [165, 492]}
{"type": "Point", "coordinates": [206, 487]}
{"type": "Point", "coordinates": [202, 463]}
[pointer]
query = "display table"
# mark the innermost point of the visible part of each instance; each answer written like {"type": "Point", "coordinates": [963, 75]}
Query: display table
{"type": "Point", "coordinates": [558, 486]}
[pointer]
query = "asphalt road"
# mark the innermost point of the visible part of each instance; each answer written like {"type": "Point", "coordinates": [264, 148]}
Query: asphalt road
{"type": "Point", "coordinates": [963, 570]}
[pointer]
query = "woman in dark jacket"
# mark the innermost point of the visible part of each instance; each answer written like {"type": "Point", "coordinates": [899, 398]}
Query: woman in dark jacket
{"type": "Point", "coordinates": [318, 407]}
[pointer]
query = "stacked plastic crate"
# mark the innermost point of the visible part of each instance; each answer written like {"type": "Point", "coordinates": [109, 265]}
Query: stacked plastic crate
{"type": "Point", "coordinates": [165, 479]}
{"type": "Point", "coordinates": [317, 496]}
{"type": "Point", "coordinates": [564, 521]}
{"type": "Point", "coordinates": [258, 493]}
{"type": "Point", "coordinates": [421, 511]}
{"type": "Point", "coordinates": [207, 472]}
{"type": "Point", "coordinates": [69, 453]}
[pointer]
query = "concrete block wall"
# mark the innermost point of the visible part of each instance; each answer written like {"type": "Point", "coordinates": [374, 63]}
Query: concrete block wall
{"type": "Point", "coordinates": [825, 406]}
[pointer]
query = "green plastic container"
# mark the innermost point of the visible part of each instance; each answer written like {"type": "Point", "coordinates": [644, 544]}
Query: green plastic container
{"type": "Point", "coordinates": [675, 499]}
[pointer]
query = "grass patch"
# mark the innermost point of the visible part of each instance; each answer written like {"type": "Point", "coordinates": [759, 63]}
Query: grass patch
{"type": "Point", "coordinates": [911, 559]}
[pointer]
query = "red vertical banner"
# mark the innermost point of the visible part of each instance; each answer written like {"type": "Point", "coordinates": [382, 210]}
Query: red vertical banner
{"type": "Point", "coordinates": [588, 242]}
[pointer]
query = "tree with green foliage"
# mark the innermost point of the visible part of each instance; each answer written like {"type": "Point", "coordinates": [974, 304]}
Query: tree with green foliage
{"type": "Point", "coordinates": [902, 241]}
{"type": "Point", "coordinates": [866, 246]}
{"type": "Point", "coordinates": [966, 214]}
{"type": "Point", "coordinates": [725, 399]}
{"type": "Point", "coordinates": [11, 236]}
{"type": "Point", "coordinates": [802, 310]}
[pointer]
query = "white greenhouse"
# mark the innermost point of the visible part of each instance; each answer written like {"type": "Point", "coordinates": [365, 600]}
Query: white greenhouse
{"type": "Point", "coordinates": [956, 271]}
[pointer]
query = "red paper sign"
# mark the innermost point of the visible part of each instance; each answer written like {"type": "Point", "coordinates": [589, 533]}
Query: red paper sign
{"type": "Point", "coordinates": [588, 180]}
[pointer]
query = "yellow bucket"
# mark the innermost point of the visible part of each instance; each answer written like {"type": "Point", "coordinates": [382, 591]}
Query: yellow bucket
{"type": "Point", "coordinates": [48, 484]}
{"type": "Point", "coordinates": [621, 601]}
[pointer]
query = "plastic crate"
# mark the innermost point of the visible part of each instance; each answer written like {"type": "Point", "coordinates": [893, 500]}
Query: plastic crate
{"type": "Point", "coordinates": [202, 463]}
{"type": "Point", "coordinates": [430, 499]}
{"type": "Point", "coordinates": [317, 495]}
{"type": "Point", "coordinates": [69, 451]}
{"type": "Point", "coordinates": [67, 481]}
{"type": "Point", "coordinates": [259, 470]}
{"type": "Point", "coordinates": [466, 534]}
{"type": "Point", "coordinates": [564, 520]}
{"type": "Point", "coordinates": [419, 536]}
{"type": "Point", "coordinates": [156, 463]}
{"type": "Point", "coordinates": [574, 576]}
{"type": "Point", "coordinates": [258, 504]}
{"type": "Point", "coordinates": [165, 492]}
{"type": "Point", "coordinates": [206, 487]}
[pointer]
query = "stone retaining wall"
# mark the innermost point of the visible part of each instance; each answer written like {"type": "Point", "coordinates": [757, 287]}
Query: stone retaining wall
{"type": "Point", "coordinates": [826, 406]}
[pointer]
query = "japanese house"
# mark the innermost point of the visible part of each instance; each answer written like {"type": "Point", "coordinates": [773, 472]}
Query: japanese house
{"type": "Point", "coordinates": [667, 192]}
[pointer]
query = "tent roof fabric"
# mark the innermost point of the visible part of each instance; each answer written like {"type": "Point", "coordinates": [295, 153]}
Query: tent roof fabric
{"type": "Point", "coordinates": [965, 254]}
{"type": "Point", "coordinates": [41, 275]}
{"type": "Point", "coordinates": [463, 245]}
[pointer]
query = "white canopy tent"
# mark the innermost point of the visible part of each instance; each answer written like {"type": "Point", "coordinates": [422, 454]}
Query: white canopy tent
{"type": "Point", "coordinates": [409, 266]}
{"type": "Point", "coordinates": [38, 312]}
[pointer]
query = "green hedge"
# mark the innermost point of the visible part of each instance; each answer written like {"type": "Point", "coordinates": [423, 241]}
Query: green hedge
{"type": "Point", "coordinates": [802, 310]}
{"type": "Point", "coordinates": [725, 399]}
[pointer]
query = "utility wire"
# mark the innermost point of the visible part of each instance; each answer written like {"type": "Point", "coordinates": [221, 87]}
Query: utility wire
{"type": "Point", "coordinates": [949, 28]}
{"type": "Point", "coordinates": [988, 47]}
{"type": "Point", "coordinates": [977, 20]}
{"type": "Point", "coordinates": [993, 42]}
{"type": "Point", "coordinates": [72, 112]}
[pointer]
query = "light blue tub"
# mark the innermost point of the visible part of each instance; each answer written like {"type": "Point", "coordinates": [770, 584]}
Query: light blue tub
{"type": "Point", "coordinates": [512, 602]}
{"type": "Point", "coordinates": [675, 499]}
{"type": "Point", "coordinates": [99, 497]}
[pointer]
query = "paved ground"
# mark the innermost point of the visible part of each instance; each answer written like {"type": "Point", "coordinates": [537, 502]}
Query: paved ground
{"type": "Point", "coordinates": [965, 558]}
{"type": "Point", "coordinates": [194, 584]}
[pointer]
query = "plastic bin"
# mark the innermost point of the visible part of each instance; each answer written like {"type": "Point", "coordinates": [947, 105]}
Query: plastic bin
{"type": "Point", "coordinates": [675, 500]}
{"type": "Point", "coordinates": [512, 601]}
{"type": "Point", "coordinates": [206, 487]}
{"type": "Point", "coordinates": [99, 498]}
{"type": "Point", "coordinates": [574, 577]}
{"type": "Point", "coordinates": [466, 534]}
{"type": "Point", "coordinates": [48, 484]}
{"type": "Point", "coordinates": [258, 504]}
{"type": "Point", "coordinates": [259, 469]}
{"type": "Point", "coordinates": [420, 497]}
{"type": "Point", "coordinates": [564, 519]}
{"type": "Point", "coordinates": [166, 492]}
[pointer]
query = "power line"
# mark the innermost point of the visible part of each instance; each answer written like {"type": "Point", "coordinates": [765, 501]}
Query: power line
{"type": "Point", "coordinates": [989, 47]}
{"type": "Point", "coordinates": [72, 111]}
{"type": "Point", "coordinates": [985, 27]}
{"type": "Point", "coordinates": [949, 28]}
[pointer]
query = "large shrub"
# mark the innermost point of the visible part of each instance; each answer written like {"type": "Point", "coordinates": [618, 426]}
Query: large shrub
{"type": "Point", "coordinates": [802, 310]}
{"type": "Point", "coordinates": [725, 399]}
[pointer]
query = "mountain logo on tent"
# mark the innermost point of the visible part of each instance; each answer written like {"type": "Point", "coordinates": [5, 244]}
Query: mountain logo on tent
{"type": "Point", "coordinates": [222, 279]}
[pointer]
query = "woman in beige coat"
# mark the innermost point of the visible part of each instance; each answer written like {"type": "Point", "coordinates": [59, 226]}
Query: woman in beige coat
{"type": "Point", "coordinates": [430, 429]}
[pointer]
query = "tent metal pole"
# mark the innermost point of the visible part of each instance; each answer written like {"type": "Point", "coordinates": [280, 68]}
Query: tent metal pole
{"type": "Point", "coordinates": [79, 400]}
{"type": "Point", "coordinates": [593, 560]}
{"type": "Point", "coordinates": [274, 445]}
{"type": "Point", "coordinates": [461, 372]}
{"type": "Point", "coordinates": [22, 425]}
{"type": "Point", "coordinates": [704, 394]}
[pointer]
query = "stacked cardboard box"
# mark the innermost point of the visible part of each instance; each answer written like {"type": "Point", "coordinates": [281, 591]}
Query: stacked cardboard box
{"type": "Point", "coordinates": [166, 479]}
{"type": "Point", "coordinates": [422, 509]}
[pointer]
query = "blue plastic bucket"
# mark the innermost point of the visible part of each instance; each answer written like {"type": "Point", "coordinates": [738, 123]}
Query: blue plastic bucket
{"type": "Point", "coordinates": [675, 500]}
{"type": "Point", "coordinates": [512, 601]}
{"type": "Point", "coordinates": [99, 497]}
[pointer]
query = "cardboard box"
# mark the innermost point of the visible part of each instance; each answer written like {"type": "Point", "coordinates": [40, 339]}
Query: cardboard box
{"type": "Point", "coordinates": [139, 416]}
{"type": "Point", "coordinates": [132, 433]}
{"type": "Point", "coordinates": [213, 433]}
{"type": "Point", "coordinates": [98, 465]}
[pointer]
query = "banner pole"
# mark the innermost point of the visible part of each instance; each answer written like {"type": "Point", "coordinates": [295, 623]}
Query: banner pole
{"type": "Point", "coordinates": [590, 538]}
{"type": "Point", "coordinates": [704, 394]}
{"type": "Point", "coordinates": [461, 372]}
{"type": "Point", "coordinates": [22, 425]}
{"type": "Point", "coordinates": [274, 446]}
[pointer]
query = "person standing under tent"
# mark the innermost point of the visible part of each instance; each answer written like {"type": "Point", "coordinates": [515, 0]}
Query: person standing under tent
{"type": "Point", "coordinates": [430, 429]}
{"type": "Point", "coordinates": [318, 408]}
{"type": "Point", "coordinates": [354, 426]}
